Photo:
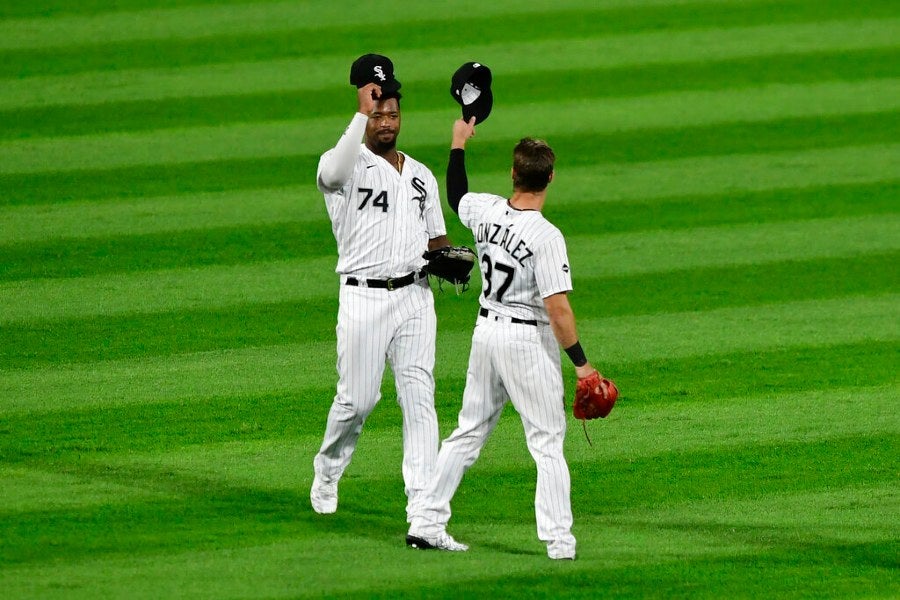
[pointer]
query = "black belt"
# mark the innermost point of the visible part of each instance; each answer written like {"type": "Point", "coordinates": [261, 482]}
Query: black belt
{"type": "Point", "coordinates": [394, 283]}
{"type": "Point", "coordinates": [485, 313]}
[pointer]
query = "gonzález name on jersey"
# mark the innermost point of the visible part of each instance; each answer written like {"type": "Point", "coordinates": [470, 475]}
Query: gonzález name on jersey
{"type": "Point", "coordinates": [492, 233]}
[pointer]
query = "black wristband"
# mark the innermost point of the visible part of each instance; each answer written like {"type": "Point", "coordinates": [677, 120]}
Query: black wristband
{"type": "Point", "coordinates": [576, 354]}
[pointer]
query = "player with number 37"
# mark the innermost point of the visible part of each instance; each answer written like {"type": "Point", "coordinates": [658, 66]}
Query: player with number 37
{"type": "Point", "coordinates": [524, 318]}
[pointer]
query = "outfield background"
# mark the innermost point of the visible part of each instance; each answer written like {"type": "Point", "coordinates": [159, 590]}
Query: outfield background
{"type": "Point", "coordinates": [728, 182]}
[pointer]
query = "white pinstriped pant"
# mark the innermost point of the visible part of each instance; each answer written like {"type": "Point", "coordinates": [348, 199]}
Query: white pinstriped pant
{"type": "Point", "coordinates": [375, 325]}
{"type": "Point", "coordinates": [519, 362]}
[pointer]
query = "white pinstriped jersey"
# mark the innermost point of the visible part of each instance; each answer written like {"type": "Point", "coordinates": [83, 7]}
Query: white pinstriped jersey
{"type": "Point", "coordinates": [382, 220]}
{"type": "Point", "coordinates": [522, 256]}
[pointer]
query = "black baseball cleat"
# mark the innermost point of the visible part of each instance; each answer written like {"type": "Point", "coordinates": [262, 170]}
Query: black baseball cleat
{"type": "Point", "coordinates": [440, 542]}
{"type": "Point", "coordinates": [418, 543]}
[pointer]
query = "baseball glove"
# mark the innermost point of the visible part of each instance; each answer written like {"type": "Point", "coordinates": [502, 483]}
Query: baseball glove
{"type": "Point", "coordinates": [450, 263]}
{"type": "Point", "coordinates": [594, 397]}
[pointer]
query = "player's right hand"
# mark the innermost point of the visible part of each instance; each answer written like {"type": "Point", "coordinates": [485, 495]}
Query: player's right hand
{"type": "Point", "coordinates": [368, 95]}
{"type": "Point", "coordinates": [462, 131]}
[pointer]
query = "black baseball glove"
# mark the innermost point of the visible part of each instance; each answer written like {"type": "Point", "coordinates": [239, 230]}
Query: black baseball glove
{"type": "Point", "coordinates": [450, 263]}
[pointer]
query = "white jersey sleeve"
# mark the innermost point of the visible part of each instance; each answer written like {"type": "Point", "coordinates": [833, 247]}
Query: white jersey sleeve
{"type": "Point", "coordinates": [336, 165]}
{"type": "Point", "coordinates": [472, 205]}
{"type": "Point", "coordinates": [551, 268]}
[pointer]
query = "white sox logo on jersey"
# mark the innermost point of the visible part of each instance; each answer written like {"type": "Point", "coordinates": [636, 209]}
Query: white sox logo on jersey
{"type": "Point", "coordinates": [419, 186]}
{"type": "Point", "coordinates": [379, 73]}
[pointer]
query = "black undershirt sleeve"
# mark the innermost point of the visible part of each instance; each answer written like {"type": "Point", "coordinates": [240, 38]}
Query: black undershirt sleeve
{"type": "Point", "coordinates": [457, 181]}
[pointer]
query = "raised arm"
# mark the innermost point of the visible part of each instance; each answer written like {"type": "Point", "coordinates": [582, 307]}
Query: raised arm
{"type": "Point", "coordinates": [457, 180]}
{"type": "Point", "coordinates": [337, 169]}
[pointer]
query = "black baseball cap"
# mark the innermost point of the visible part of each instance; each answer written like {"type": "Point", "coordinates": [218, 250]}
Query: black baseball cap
{"type": "Point", "coordinates": [470, 86]}
{"type": "Point", "coordinates": [374, 68]}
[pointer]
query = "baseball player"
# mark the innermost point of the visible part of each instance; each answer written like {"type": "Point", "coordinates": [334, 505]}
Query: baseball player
{"type": "Point", "coordinates": [385, 213]}
{"type": "Point", "coordinates": [523, 319]}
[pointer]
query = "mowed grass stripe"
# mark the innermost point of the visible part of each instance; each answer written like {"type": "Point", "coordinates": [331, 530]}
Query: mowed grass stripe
{"type": "Point", "coordinates": [227, 18]}
{"type": "Point", "coordinates": [167, 290]}
{"type": "Point", "coordinates": [798, 417]}
{"type": "Point", "coordinates": [298, 367]}
{"type": "Point", "coordinates": [198, 248]}
{"type": "Point", "coordinates": [785, 511]}
{"type": "Point", "coordinates": [194, 482]}
{"type": "Point", "coordinates": [723, 206]}
{"type": "Point", "coordinates": [716, 176]}
{"type": "Point", "coordinates": [713, 375]}
{"type": "Point", "coordinates": [198, 245]}
{"type": "Point", "coordinates": [765, 418]}
{"type": "Point", "coordinates": [720, 140]}
{"type": "Point", "coordinates": [262, 504]}
{"type": "Point", "coordinates": [162, 214]}
{"type": "Point", "coordinates": [221, 286]}
{"type": "Point", "coordinates": [87, 339]}
{"type": "Point", "coordinates": [117, 216]}
{"type": "Point", "coordinates": [183, 331]}
{"type": "Point", "coordinates": [613, 553]}
{"type": "Point", "coordinates": [246, 417]}
{"type": "Point", "coordinates": [270, 461]}
{"type": "Point", "coordinates": [777, 325]}
{"type": "Point", "coordinates": [321, 72]}
{"type": "Point", "coordinates": [33, 489]}
{"type": "Point", "coordinates": [745, 244]}
{"type": "Point", "coordinates": [655, 180]}
{"type": "Point", "coordinates": [210, 46]}
{"type": "Point", "coordinates": [50, 121]}
{"type": "Point", "coordinates": [281, 138]}
{"type": "Point", "coordinates": [42, 9]}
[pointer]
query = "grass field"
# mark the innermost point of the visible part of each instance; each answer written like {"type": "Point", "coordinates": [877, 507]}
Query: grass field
{"type": "Point", "coordinates": [728, 180]}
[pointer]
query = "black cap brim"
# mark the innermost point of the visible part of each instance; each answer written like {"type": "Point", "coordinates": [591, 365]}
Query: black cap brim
{"type": "Point", "coordinates": [387, 87]}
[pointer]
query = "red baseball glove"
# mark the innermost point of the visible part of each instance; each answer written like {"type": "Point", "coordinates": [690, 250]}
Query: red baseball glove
{"type": "Point", "coordinates": [595, 397]}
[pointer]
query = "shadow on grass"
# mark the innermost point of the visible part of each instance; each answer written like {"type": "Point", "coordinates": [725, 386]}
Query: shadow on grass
{"type": "Point", "coordinates": [195, 513]}
{"type": "Point", "coordinates": [783, 570]}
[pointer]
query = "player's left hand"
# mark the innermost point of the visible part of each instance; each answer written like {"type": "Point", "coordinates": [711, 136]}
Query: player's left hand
{"type": "Point", "coordinates": [451, 263]}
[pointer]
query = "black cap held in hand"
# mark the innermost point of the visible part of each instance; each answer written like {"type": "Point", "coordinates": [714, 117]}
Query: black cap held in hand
{"type": "Point", "coordinates": [470, 86]}
{"type": "Point", "coordinates": [374, 68]}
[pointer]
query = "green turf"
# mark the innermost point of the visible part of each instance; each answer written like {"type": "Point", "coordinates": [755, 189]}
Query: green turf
{"type": "Point", "coordinates": [633, 115]}
{"type": "Point", "coordinates": [133, 115]}
{"type": "Point", "coordinates": [728, 179]}
{"type": "Point", "coordinates": [89, 339]}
